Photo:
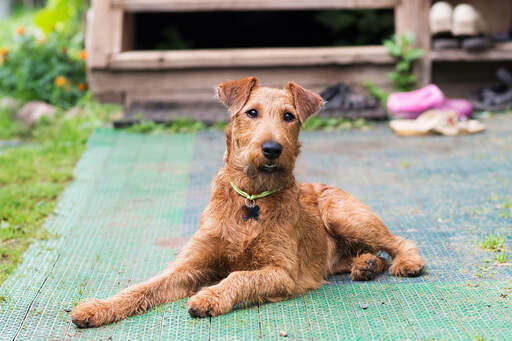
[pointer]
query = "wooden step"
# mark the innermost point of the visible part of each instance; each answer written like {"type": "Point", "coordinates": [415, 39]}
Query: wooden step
{"type": "Point", "coordinates": [501, 51]}
{"type": "Point", "coordinates": [237, 5]}
{"type": "Point", "coordinates": [148, 60]}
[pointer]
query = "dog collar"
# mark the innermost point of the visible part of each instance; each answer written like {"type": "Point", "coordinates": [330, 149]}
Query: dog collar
{"type": "Point", "coordinates": [250, 210]}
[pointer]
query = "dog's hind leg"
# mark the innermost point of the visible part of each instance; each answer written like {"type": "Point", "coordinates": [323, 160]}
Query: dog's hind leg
{"type": "Point", "coordinates": [363, 267]}
{"type": "Point", "coordinates": [348, 219]}
{"type": "Point", "coordinates": [366, 267]}
{"type": "Point", "coordinates": [182, 279]}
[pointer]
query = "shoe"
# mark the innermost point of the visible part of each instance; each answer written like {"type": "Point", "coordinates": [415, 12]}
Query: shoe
{"type": "Point", "coordinates": [436, 121]}
{"type": "Point", "coordinates": [440, 18]}
{"type": "Point", "coordinates": [411, 104]}
{"type": "Point", "coordinates": [467, 21]}
{"type": "Point", "coordinates": [343, 101]}
{"type": "Point", "coordinates": [462, 107]}
{"type": "Point", "coordinates": [495, 98]}
{"type": "Point", "coordinates": [477, 44]}
{"type": "Point", "coordinates": [445, 43]}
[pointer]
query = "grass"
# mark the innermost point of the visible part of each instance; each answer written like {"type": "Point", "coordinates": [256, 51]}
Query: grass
{"type": "Point", "coordinates": [177, 125]}
{"type": "Point", "coordinates": [34, 174]}
{"type": "Point", "coordinates": [9, 128]}
{"type": "Point", "coordinates": [501, 257]}
{"type": "Point", "coordinates": [184, 125]}
{"type": "Point", "coordinates": [493, 242]}
{"type": "Point", "coordinates": [334, 123]}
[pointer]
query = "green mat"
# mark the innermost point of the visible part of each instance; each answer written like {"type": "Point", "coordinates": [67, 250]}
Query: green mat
{"type": "Point", "coordinates": [137, 199]}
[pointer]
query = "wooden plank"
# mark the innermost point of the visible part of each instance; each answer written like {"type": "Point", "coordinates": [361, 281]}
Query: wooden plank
{"type": "Point", "coordinates": [197, 85]}
{"type": "Point", "coordinates": [144, 60]}
{"type": "Point", "coordinates": [501, 51]}
{"type": "Point", "coordinates": [413, 16]}
{"type": "Point", "coordinates": [104, 33]}
{"type": "Point", "coordinates": [236, 5]}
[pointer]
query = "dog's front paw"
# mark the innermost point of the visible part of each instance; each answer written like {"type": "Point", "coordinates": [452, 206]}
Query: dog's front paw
{"type": "Point", "coordinates": [207, 303]}
{"type": "Point", "coordinates": [93, 313]}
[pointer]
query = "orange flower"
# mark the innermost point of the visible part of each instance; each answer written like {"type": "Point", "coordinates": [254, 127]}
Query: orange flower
{"type": "Point", "coordinates": [64, 50]}
{"type": "Point", "coordinates": [81, 86]}
{"type": "Point", "coordinates": [83, 55]}
{"type": "Point", "coordinates": [41, 40]}
{"type": "Point", "coordinates": [20, 30]}
{"type": "Point", "coordinates": [60, 81]}
{"type": "Point", "coordinates": [3, 51]}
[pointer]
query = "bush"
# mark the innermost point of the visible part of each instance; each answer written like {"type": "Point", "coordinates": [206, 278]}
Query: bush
{"type": "Point", "coordinates": [48, 68]}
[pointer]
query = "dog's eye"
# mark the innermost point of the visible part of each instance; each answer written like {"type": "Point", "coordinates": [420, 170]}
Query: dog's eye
{"type": "Point", "coordinates": [253, 113]}
{"type": "Point", "coordinates": [288, 117]}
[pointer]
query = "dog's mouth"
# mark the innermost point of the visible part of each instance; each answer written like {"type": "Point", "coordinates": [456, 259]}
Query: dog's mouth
{"type": "Point", "coordinates": [269, 168]}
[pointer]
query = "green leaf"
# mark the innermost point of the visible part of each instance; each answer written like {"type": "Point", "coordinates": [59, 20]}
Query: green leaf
{"type": "Point", "coordinates": [413, 54]}
{"type": "Point", "coordinates": [403, 66]}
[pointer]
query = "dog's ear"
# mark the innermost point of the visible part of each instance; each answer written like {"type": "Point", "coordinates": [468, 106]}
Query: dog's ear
{"type": "Point", "coordinates": [306, 102]}
{"type": "Point", "coordinates": [234, 94]}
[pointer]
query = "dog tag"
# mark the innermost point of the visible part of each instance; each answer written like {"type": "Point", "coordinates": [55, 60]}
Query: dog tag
{"type": "Point", "coordinates": [250, 212]}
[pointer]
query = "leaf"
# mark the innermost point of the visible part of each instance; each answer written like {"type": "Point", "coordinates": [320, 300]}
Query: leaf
{"type": "Point", "coordinates": [413, 54]}
{"type": "Point", "coordinates": [403, 66]}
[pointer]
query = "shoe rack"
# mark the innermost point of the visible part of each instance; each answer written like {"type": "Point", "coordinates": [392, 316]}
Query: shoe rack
{"type": "Point", "coordinates": [498, 17]}
{"type": "Point", "coordinates": [119, 73]}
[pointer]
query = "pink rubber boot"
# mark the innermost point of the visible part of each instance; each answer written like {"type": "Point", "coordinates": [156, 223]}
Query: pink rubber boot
{"type": "Point", "coordinates": [462, 107]}
{"type": "Point", "coordinates": [410, 105]}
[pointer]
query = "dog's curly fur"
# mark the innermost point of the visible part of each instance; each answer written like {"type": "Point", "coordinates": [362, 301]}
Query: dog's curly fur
{"type": "Point", "coordinates": [305, 232]}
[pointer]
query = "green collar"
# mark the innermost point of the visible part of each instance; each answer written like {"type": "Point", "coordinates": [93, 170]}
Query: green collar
{"type": "Point", "coordinates": [254, 196]}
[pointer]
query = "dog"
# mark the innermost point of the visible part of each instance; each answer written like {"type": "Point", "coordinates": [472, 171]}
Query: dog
{"type": "Point", "coordinates": [263, 237]}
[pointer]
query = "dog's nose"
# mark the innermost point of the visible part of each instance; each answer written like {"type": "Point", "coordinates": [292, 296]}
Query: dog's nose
{"type": "Point", "coordinates": [271, 150]}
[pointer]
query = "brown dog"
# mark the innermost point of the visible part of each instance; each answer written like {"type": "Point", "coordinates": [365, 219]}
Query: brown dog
{"type": "Point", "coordinates": [298, 235]}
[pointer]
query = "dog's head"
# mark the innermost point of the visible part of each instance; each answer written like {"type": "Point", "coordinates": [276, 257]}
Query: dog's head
{"type": "Point", "coordinates": [262, 137]}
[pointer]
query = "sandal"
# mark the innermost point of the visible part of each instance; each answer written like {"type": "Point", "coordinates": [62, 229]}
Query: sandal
{"type": "Point", "coordinates": [342, 101]}
{"type": "Point", "coordinates": [436, 121]}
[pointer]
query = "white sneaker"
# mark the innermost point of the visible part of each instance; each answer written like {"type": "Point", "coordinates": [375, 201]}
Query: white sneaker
{"type": "Point", "coordinates": [441, 17]}
{"type": "Point", "coordinates": [467, 21]}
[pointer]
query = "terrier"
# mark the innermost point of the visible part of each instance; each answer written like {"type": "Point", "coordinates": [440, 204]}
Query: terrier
{"type": "Point", "coordinates": [263, 237]}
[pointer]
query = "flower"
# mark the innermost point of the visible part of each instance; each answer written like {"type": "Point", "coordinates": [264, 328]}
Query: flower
{"type": "Point", "coordinates": [20, 30]}
{"type": "Point", "coordinates": [64, 50]}
{"type": "Point", "coordinates": [41, 40]}
{"type": "Point", "coordinates": [83, 55]}
{"type": "Point", "coordinates": [60, 81]}
{"type": "Point", "coordinates": [81, 86]}
{"type": "Point", "coordinates": [3, 51]}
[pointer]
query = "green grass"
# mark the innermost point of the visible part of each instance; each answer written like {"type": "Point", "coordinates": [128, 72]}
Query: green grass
{"type": "Point", "coordinates": [334, 123]}
{"type": "Point", "coordinates": [184, 125]}
{"type": "Point", "coordinates": [9, 128]}
{"type": "Point", "coordinates": [177, 125]}
{"type": "Point", "coordinates": [34, 174]}
{"type": "Point", "coordinates": [501, 257]}
{"type": "Point", "coordinates": [493, 242]}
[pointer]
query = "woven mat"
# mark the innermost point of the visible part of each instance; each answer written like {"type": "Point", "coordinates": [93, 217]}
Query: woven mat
{"type": "Point", "coordinates": [136, 200]}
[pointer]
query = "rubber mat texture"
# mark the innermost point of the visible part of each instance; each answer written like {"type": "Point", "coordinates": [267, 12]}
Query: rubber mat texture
{"type": "Point", "coordinates": [136, 200]}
